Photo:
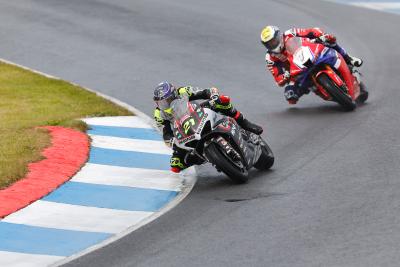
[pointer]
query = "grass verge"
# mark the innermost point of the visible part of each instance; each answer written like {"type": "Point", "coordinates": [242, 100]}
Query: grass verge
{"type": "Point", "coordinates": [28, 100]}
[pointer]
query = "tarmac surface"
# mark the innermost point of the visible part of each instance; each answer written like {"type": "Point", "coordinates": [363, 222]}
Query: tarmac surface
{"type": "Point", "coordinates": [333, 196]}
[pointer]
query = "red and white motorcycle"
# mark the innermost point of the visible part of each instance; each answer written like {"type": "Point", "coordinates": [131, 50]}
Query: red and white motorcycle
{"type": "Point", "coordinates": [323, 70]}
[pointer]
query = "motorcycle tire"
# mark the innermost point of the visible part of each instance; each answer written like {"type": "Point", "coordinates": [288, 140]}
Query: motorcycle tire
{"type": "Point", "coordinates": [336, 92]}
{"type": "Point", "coordinates": [218, 158]}
{"type": "Point", "coordinates": [363, 94]}
{"type": "Point", "coordinates": [266, 159]}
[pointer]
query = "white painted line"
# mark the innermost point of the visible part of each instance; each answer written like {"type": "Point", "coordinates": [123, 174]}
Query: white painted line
{"type": "Point", "coordinates": [377, 5]}
{"type": "Point", "coordinates": [14, 259]}
{"type": "Point", "coordinates": [78, 218]}
{"type": "Point", "coordinates": [128, 144]}
{"type": "Point", "coordinates": [132, 177]}
{"type": "Point", "coordinates": [118, 121]}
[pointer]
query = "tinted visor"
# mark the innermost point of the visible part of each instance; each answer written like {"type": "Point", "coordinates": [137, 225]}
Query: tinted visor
{"type": "Point", "coordinates": [274, 42]}
{"type": "Point", "coordinates": [165, 103]}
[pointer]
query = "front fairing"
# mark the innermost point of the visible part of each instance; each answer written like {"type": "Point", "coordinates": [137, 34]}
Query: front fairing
{"type": "Point", "coordinates": [189, 121]}
{"type": "Point", "coordinates": [318, 55]}
{"type": "Point", "coordinates": [328, 56]}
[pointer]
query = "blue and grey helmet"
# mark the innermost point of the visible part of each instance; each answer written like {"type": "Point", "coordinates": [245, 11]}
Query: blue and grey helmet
{"type": "Point", "coordinates": [164, 94]}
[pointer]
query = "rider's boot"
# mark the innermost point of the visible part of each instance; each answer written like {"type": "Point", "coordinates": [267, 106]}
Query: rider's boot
{"type": "Point", "coordinates": [247, 125]}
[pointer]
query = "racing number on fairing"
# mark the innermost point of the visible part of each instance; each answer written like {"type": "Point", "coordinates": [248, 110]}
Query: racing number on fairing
{"type": "Point", "coordinates": [188, 124]}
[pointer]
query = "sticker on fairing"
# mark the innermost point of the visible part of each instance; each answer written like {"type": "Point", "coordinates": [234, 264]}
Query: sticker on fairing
{"type": "Point", "coordinates": [301, 56]}
{"type": "Point", "coordinates": [337, 64]}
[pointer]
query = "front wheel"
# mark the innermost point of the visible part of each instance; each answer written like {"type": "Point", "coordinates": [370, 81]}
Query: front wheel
{"type": "Point", "coordinates": [236, 171]}
{"type": "Point", "coordinates": [363, 94]}
{"type": "Point", "coordinates": [336, 92]}
{"type": "Point", "coordinates": [266, 159]}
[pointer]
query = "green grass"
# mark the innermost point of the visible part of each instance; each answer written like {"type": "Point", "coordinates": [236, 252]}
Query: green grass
{"type": "Point", "coordinates": [28, 100]}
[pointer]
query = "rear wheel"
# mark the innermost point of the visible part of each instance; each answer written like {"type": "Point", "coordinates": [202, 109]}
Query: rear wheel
{"type": "Point", "coordinates": [336, 92]}
{"type": "Point", "coordinates": [236, 171]}
{"type": "Point", "coordinates": [266, 159]}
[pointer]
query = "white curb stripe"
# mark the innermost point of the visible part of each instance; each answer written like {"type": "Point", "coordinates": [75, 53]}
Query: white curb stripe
{"type": "Point", "coordinates": [118, 121]}
{"type": "Point", "coordinates": [132, 177]}
{"type": "Point", "coordinates": [79, 218]}
{"type": "Point", "coordinates": [127, 144]}
{"type": "Point", "coordinates": [26, 260]}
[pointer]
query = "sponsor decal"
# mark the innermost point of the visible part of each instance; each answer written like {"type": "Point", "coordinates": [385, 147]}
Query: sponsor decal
{"type": "Point", "coordinates": [224, 125]}
{"type": "Point", "coordinates": [233, 129]}
{"type": "Point", "coordinates": [201, 125]}
{"type": "Point", "coordinates": [187, 139]}
{"type": "Point", "coordinates": [182, 120]}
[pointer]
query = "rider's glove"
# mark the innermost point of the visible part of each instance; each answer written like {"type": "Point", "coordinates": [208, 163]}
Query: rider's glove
{"type": "Point", "coordinates": [221, 102]}
{"type": "Point", "coordinates": [214, 97]}
{"type": "Point", "coordinates": [328, 38]}
{"type": "Point", "coordinates": [286, 75]}
{"type": "Point", "coordinates": [284, 78]}
{"type": "Point", "coordinates": [214, 94]}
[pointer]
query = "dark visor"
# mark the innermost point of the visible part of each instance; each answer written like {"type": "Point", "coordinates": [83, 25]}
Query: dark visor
{"type": "Point", "coordinates": [273, 43]}
{"type": "Point", "coordinates": [165, 103]}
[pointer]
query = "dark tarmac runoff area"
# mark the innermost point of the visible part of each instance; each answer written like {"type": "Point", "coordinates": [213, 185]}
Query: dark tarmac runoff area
{"type": "Point", "coordinates": [333, 195]}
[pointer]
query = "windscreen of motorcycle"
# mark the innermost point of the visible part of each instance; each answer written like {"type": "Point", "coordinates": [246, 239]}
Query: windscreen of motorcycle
{"type": "Point", "coordinates": [292, 45]}
{"type": "Point", "coordinates": [301, 53]}
{"type": "Point", "coordinates": [188, 118]}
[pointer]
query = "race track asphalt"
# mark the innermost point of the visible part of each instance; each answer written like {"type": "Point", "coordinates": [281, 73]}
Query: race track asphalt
{"type": "Point", "coordinates": [333, 197]}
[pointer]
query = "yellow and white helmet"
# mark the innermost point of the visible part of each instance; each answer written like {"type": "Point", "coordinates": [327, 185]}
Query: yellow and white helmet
{"type": "Point", "coordinates": [272, 39]}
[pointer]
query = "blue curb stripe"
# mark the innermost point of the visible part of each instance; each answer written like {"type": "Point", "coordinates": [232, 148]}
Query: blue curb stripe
{"type": "Point", "coordinates": [112, 197]}
{"type": "Point", "coordinates": [47, 241]}
{"type": "Point", "coordinates": [125, 132]}
{"type": "Point", "coordinates": [131, 159]}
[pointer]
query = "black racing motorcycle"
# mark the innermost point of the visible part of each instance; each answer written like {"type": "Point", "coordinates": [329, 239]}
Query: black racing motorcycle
{"type": "Point", "coordinates": [218, 139]}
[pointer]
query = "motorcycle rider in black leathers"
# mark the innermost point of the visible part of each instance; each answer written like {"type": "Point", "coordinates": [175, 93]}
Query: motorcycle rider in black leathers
{"type": "Point", "coordinates": [165, 93]}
